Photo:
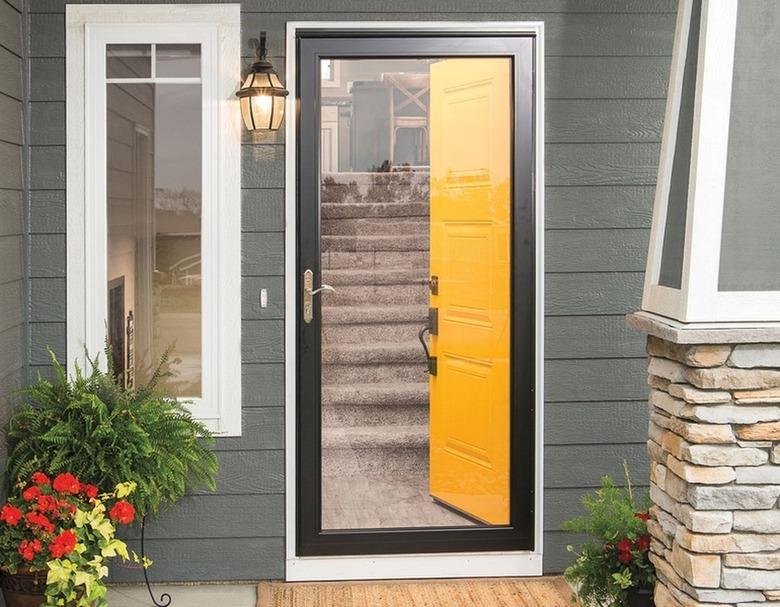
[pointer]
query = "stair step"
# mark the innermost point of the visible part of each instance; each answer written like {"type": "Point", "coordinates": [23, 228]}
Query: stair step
{"type": "Point", "coordinates": [374, 178]}
{"type": "Point", "coordinates": [376, 437]}
{"type": "Point", "coordinates": [388, 394]}
{"type": "Point", "coordinates": [353, 315]}
{"type": "Point", "coordinates": [369, 333]}
{"type": "Point", "coordinates": [343, 416]}
{"type": "Point", "coordinates": [354, 260]}
{"type": "Point", "coordinates": [375, 276]}
{"type": "Point", "coordinates": [375, 227]}
{"type": "Point", "coordinates": [396, 461]}
{"type": "Point", "coordinates": [404, 242]}
{"type": "Point", "coordinates": [373, 353]}
{"type": "Point", "coordinates": [351, 210]}
{"type": "Point", "coordinates": [353, 295]}
{"type": "Point", "coordinates": [333, 375]}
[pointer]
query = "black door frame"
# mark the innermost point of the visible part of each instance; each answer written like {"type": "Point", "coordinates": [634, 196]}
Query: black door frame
{"type": "Point", "coordinates": [311, 46]}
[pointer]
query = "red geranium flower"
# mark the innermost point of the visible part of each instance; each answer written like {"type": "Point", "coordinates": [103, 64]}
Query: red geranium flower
{"type": "Point", "coordinates": [66, 483]}
{"type": "Point", "coordinates": [122, 512]}
{"type": "Point", "coordinates": [10, 514]}
{"type": "Point", "coordinates": [91, 491]}
{"type": "Point", "coordinates": [63, 544]}
{"type": "Point", "coordinates": [28, 549]}
{"type": "Point", "coordinates": [31, 493]}
{"type": "Point", "coordinates": [625, 557]}
{"type": "Point", "coordinates": [39, 478]}
{"type": "Point", "coordinates": [624, 545]}
{"type": "Point", "coordinates": [47, 503]}
{"type": "Point", "coordinates": [66, 506]}
{"type": "Point", "coordinates": [642, 516]}
{"type": "Point", "coordinates": [36, 519]}
{"type": "Point", "coordinates": [643, 543]}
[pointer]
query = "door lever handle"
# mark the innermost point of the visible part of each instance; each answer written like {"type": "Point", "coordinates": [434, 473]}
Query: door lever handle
{"type": "Point", "coordinates": [430, 360]}
{"type": "Point", "coordinates": [323, 287]}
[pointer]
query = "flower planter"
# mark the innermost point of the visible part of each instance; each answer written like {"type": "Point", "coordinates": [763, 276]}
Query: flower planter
{"type": "Point", "coordinates": [640, 597]}
{"type": "Point", "coordinates": [23, 588]}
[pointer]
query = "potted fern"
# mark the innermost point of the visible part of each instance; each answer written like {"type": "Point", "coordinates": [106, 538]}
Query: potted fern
{"type": "Point", "coordinates": [94, 427]}
{"type": "Point", "coordinates": [613, 568]}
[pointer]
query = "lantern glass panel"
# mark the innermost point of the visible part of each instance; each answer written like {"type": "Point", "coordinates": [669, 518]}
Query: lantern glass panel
{"type": "Point", "coordinates": [677, 208]}
{"type": "Point", "coordinates": [750, 249]}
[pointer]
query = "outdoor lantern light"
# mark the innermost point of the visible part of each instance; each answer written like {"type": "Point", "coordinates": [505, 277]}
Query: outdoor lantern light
{"type": "Point", "coordinates": [262, 94]}
{"type": "Point", "coordinates": [714, 248]}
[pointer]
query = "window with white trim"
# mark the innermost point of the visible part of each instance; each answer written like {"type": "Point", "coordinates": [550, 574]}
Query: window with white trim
{"type": "Point", "coordinates": [154, 200]}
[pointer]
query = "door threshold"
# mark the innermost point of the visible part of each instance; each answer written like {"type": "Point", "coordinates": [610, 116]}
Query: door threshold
{"type": "Point", "coordinates": [413, 566]}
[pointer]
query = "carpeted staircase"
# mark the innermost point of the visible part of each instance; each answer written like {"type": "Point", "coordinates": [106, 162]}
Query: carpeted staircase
{"type": "Point", "coordinates": [375, 382]}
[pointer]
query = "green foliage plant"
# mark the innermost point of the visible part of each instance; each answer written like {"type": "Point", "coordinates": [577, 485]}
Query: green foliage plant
{"type": "Point", "coordinates": [91, 425]}
{"type": "Point", "coordinates": [615, 559]}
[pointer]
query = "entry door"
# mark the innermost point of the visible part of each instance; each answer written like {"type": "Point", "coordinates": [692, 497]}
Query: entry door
{"type": "Point", "coordinates": [470, 260]}
{"type": "Point", "coordinates": [415, 317]}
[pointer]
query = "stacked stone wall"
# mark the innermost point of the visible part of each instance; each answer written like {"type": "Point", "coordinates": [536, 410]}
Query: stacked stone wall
{"type": "Point", "coordinates": [714, 444]}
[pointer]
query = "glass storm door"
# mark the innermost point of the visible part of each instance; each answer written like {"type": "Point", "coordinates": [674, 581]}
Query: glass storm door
{"type": "Point", "coordinates": [416, 294]}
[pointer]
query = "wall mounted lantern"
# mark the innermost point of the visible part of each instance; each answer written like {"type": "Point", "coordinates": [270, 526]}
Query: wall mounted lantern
{"type": "Point", "coordinates": [715, 242]}
{"type": "Point", "coordinates": [262, 94]}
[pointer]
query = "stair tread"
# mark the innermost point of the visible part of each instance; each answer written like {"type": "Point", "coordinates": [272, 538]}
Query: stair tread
{"type": "Point", "coordinates": [379, 276]}
{"type": "Point", "coordinates": [386, 393]}
{"type": "Point", "coordinates": [374, 314]}
{"type": "Point", "coordinates": [373, 353]}
{"type": "Point", "coordinates": [375, 437]}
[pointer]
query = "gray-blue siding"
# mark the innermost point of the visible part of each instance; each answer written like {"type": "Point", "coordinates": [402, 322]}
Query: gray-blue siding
{"type": "Point", "coordinates": [13, 285]}
{"type": "Point", "coordinates": [607, 65]}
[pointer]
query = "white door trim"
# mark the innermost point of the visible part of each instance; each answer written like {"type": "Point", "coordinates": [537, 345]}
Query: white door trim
{"type": "Point", "coordinates": [472, 564]}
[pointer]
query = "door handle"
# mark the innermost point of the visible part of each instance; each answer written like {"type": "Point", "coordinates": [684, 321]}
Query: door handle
{"type": "Point", "coordinates": [308, 294]}
{"type": "Point", "coordinates": [431, 360]}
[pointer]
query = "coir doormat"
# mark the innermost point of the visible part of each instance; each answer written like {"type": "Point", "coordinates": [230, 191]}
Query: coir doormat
{"type": "Point", "coordinates": [498, 592]}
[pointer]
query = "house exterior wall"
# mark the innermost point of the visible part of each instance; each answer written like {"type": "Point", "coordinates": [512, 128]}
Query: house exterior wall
{"type": "Point", "coordinates": [607, 68]}
{"type": "Point", "coordinates": [13, 287]}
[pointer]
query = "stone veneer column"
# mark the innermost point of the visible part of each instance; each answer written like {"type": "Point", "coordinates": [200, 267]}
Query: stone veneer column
{"type": "Point", "coordinates": [714, 445]}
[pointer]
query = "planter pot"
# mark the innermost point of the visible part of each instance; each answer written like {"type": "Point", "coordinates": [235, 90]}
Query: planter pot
{"type": "Point", "coordinates": [23, 588]}
{"type": "Point", "coordinates": [640, 597]}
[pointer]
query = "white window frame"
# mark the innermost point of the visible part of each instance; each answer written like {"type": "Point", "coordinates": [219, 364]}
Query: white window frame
{"type": "Point", "coordinates": [395, 566]}
{"type": "Point", "coordinates": [218, 30]}
{"type": "Point", "coordinates": [699, 300]}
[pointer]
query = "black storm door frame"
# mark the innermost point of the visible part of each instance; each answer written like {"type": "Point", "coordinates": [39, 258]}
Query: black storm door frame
{"type": "Point", "coordinates": [312, 47]}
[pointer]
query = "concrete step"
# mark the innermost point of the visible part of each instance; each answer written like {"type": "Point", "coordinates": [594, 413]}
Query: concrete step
{"type": "Point", "coordinates": [350, 210]}
{"type": "Point", "coordinates": [375, 276]}
{"type": "Point", "coordinates": [377, 295]}
{"type": "Point", "coordinates": [366, 178]}
{"type": "Point", "coordinates": [350, 193]}
{"type": "Point", "coordinates": [373, 314]}
{"type": "Point", "coordinates": [369, 333]}
{"type": "Point", "coordinates": [389, 394]}
{"type": "Point", "coordinates": [398, 461]}
{"type": "Point", "coordinates": [398, 260]}
{"type": "Point", "coordinates": [374, 354]}
{"type": "Point", "coordinates": [381, 226]}
{"type": "Point", "coordinates": [344, 416]}
{"type": "Point", "coordinates": [334, 375]}
{"type": "Point", "coordinates": [404, 242]}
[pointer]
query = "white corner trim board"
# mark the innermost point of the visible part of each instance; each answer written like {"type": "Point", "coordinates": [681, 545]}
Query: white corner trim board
{"type": "Point", "coordinates": [217, 28]}
{"type": "Point", "coordinates": [475, 564]}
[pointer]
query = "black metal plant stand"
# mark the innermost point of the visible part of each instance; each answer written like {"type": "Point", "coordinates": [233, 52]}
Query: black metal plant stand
{"type": "Point", "coordinates": [165, 598]}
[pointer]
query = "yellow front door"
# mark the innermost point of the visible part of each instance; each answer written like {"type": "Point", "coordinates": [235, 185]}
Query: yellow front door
{"type": "Point", "coordinates": [470, 151]}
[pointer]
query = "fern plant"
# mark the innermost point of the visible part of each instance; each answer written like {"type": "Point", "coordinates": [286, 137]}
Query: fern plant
{"type": "Point", "coordinates": [92, 426]}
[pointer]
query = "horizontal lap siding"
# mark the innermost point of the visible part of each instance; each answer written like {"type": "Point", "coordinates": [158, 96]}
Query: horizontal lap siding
{"type": "Point", "coordinates": [606, 69]}
{"type": "Point", "coordinates": [13, 287]}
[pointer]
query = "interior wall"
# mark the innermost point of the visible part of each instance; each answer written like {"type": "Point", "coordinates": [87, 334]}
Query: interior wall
{"type": "Point", "coordinates": [607, 66]}
{"type": "Point", "coordinates": [13, 286]}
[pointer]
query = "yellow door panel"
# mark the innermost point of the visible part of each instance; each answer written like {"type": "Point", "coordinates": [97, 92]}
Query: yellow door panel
{"type": "Point", "coordinates": [470, 150]}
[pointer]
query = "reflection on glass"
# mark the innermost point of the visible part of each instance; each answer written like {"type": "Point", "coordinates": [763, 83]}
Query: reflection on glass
{"type": "Point", "coordinates": [415, 183]}
{"type": "Point", "coordinates": [750, 248]}
{"type": "Point", "coordinates": [128, 60]}
{"type": "Point", "coordinates": [154, 227]}
{"type": "Point", "coordinates": [178, 60]}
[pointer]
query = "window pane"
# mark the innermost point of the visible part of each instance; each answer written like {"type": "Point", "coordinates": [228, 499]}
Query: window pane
{"type": "Point", "coordinates": [750, 248]}
{"type": "Point", "coordinates": [677, 209]}
{"type": "Point", "coordinates": [128, 61]}
{"type": "Point", "coordinates": [154, 227]}
{"type": "Point", "coordinates": [178, 60]}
